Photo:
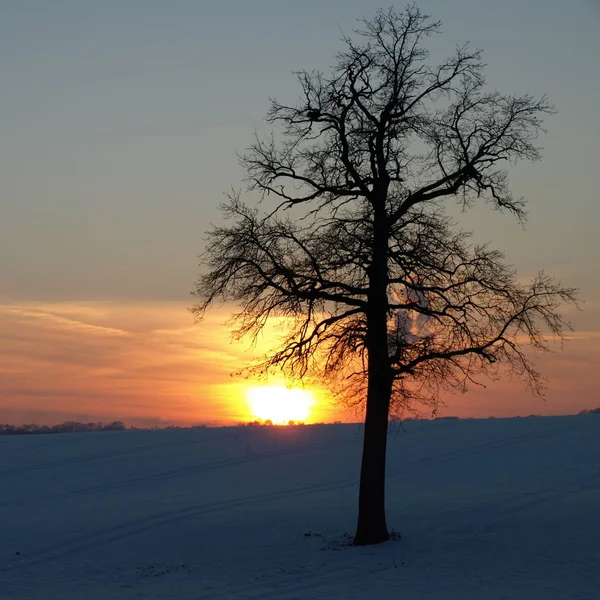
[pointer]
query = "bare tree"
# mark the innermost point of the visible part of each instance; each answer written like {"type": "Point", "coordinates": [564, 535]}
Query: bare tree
{"type": "Point", "coordinates": [380, 289]}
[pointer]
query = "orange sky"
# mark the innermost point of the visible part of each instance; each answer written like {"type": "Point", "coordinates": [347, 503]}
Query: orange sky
{"type": "Point", "coordinates": [139, 362]}
{"type": "Point", "coordinates": [147, 363]}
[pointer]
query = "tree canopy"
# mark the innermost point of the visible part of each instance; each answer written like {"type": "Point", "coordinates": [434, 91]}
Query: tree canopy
{"type": "Point", "coordinates": [352, 243]}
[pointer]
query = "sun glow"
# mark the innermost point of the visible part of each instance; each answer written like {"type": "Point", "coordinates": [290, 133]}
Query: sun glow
{"type": "Point", "coordinates": [280, 404]}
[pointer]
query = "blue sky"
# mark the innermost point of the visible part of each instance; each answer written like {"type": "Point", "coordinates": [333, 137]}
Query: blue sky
{"type": "Point", "coordinates": [121, 120]}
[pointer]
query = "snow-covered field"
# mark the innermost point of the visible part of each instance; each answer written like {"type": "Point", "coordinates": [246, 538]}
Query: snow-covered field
{"type": "Point", "coordinates": [486, 509]}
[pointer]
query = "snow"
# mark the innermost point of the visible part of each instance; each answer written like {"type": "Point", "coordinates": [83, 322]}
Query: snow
{"type": "Point", "coordinates": [498, 508]}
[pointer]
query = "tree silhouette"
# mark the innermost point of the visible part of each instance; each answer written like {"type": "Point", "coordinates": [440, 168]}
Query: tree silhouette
{"type": "Point", "coordinates": [384, 296]}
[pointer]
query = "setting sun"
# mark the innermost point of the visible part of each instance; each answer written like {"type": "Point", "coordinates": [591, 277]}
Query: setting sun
{"type": "Point", "coordinates": [279, 404]}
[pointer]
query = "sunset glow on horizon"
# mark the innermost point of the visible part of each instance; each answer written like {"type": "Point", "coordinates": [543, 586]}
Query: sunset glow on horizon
{"type": "Point", "coordinates": [146, 363]}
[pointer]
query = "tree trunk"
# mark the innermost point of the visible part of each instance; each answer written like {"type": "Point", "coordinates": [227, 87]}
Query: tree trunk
{"type": "Point", "coordinates": [372, 527]}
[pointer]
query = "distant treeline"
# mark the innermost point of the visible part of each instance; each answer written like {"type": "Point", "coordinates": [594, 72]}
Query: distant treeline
{"type": "Point", "coordinates": [268, 423]}
{"type": "Point", "coordinates": [76, 427]}
{"type": "Point", "coordinates": [66, 427]}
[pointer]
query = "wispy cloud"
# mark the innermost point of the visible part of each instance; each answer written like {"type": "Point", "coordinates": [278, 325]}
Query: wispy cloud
{"type": "Point", "coordinates": [118, 360]}
{"type": "Point", "coordinates": [61, 321]}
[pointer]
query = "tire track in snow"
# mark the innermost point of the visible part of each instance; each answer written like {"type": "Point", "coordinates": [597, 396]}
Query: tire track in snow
{"type": "Point", "coordinates": [90, 457]}
{"type": "Point", "coordinates": [484, 446]}
{"type": "Point", "coordinates": [480, 521]}
{"type": "Point", "coordinates": [108, 454]}
{"type": "Point", "coordinates": [127, 529]}
{"type": "Point", "coordinates": [207, 466]}
{"type": "Point", "coordinates": [123, 530]}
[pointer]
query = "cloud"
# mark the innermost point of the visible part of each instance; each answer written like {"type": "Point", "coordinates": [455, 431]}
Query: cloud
{"type": "Point", "coordinates": [52, 321]}
{"type": "Point", "coordinates": [129, 361]}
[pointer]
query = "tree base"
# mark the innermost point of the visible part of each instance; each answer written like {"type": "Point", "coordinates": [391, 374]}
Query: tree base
{"type": "Point", "coordinates": [370, 538]}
